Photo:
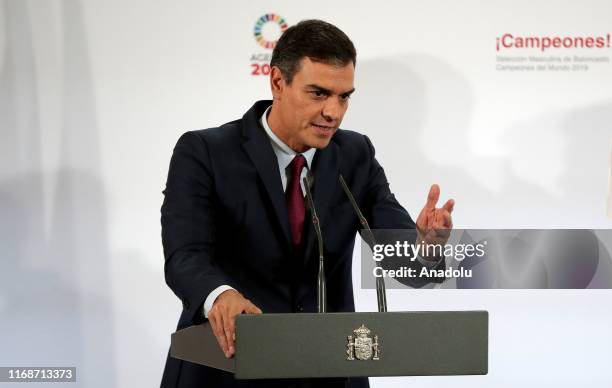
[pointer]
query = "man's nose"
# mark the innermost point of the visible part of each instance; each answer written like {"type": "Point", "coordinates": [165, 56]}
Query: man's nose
{"type": "Point", "coordinates": [332, 110]}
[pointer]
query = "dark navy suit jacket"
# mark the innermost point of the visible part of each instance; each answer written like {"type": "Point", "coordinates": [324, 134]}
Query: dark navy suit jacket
{"type": "Point", "coordinates": [224, 221]}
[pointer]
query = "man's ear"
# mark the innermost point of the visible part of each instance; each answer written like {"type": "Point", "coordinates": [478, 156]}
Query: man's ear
{"type": "Point", "coordinates": [277, 82]}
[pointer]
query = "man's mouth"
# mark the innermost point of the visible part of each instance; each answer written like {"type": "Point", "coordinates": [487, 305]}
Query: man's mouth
{"type": "Point", "coordinates": [323, 128]}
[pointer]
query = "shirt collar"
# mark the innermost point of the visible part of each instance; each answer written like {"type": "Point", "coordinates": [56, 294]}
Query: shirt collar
{"type": "Point", "coordinates": [283, 152]}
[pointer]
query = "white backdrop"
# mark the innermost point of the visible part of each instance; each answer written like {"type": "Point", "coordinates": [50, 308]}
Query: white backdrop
{"type": "Point", "coordinates": [94, 95]}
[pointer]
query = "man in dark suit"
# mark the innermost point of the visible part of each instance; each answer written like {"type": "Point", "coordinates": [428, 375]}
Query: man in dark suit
{"type": "Point", "coordinates": [234, 227]}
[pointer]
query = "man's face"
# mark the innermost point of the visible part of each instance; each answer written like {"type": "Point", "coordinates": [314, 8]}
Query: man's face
{"type": "Point", "coordinates": [311, 108]}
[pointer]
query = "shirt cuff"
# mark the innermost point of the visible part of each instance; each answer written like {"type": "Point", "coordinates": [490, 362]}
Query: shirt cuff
{"type": "Point", "coordinates": [429, 263]}
{"type": "Point", "coordinates": [210, 299]}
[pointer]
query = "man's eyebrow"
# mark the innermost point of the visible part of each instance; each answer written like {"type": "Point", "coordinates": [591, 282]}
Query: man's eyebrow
{"type": "Point", "coordinates": [324, 90]}
{"type": "Point", "coordinates": [318, 88]}
{"type": "Point", "coordinates": [349, 92]}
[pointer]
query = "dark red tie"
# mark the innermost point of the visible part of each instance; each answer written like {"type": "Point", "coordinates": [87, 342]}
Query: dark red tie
{"type": "Point", "coordinates": [295, 200]}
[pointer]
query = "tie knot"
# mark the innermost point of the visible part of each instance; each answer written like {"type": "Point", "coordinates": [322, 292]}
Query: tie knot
{"type": "Point", "coordinates": [297, 164]}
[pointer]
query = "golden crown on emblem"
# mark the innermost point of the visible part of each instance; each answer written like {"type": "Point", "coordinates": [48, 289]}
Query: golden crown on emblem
{"type": "Point", "coordinates": [362, 331]}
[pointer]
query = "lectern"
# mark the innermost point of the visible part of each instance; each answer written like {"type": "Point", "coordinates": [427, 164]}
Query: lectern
{"type": "Point", "coordinates": [345, 345]}
{"type": "Point", "coordinates": [313, 345]}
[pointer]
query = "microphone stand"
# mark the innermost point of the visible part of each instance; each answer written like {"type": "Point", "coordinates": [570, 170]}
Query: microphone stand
{"type": "Point", "coordinates": [321, 287]}
{"type": "Point", "coordinates": [381, 293]}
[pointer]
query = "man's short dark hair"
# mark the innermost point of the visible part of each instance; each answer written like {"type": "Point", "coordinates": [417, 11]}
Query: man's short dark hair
{"type": "Point", "coordinates": [318, 40]}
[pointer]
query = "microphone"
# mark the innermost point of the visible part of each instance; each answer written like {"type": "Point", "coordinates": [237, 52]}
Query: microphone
{"type": "Point", "coordinates": [381, 293]}
{"type": "Point", "coordinates": [321, 287]}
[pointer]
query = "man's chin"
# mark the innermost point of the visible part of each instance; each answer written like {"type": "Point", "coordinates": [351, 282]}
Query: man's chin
{"type": "Point", "coordinates": [320, 143]}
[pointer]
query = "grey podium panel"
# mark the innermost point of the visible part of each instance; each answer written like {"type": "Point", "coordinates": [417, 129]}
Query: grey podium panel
{"type": "Point", "coordinates": [315, 345]}
{"type": "Point", "coordinates": [198, 344]}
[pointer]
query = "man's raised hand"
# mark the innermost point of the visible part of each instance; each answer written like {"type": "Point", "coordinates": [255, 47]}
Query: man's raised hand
{"type": "Point", "coordinates": [434, 224]}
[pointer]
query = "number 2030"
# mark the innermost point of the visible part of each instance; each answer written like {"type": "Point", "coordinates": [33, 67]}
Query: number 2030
{"type": "Point", "coordinates": [257, 69]}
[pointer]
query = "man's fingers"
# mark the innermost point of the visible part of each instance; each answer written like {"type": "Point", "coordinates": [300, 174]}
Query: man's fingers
{"type": "Point", "coordinates": [252, 309]}
{"type": "Point", "coordinates": [222, 318]}
{"type": "Point", "coordinates": [433, 196]}
{"type": "Point", "coordinates": [229, 329]}
{"type": "Point", "coordinates": [443, 220]}
{"type": "Point", "coordinates": [449, 205]}
{"type": "Point", "coordinates": [448, 221]}
{"type": "Point", "coordinates": [216, 322]}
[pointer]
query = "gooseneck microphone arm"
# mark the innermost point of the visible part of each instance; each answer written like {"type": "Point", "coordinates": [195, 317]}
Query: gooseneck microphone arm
{"type": "Point", "coordinates": [321, 287]}
{"type": "Point", "coordinates": [381, 292]}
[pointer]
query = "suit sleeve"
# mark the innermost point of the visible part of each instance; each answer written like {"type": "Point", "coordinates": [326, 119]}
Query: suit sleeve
{"type": "Point", "coordinates": [385, 212]}
{"type": "Point", "coordinates": [188, 226]}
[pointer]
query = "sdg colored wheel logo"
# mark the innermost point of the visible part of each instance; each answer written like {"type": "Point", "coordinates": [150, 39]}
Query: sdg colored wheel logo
{"type": "Point", "coordinates": [268, 29]}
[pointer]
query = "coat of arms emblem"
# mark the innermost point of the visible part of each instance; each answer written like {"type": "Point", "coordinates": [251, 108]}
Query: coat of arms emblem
{"type": "Point", "coordinates": [361, 346]}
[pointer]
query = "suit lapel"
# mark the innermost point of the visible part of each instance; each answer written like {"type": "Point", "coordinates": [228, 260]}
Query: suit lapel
{"type": "Point", "coordinates": [325, 171]}
{"type": "Point", "coordinates": [259, 149]}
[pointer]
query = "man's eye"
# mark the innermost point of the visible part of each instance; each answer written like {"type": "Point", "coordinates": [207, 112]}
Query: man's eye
{"type": "Point", "coordinates": [345, 97]}
{"type": "Point", "coordinates": [318, 93]}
